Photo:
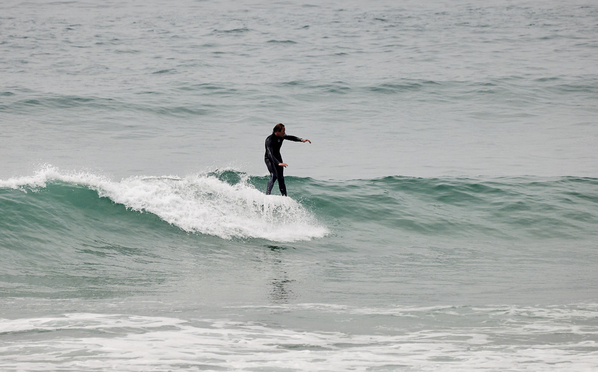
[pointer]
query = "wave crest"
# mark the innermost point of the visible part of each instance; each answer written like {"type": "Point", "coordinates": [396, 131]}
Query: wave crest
{"type": "Point", "coordinates": [199, 203]}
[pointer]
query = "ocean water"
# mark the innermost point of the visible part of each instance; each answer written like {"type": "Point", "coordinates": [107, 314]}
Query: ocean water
{"type": "Point", "coordinates": [444, 218]}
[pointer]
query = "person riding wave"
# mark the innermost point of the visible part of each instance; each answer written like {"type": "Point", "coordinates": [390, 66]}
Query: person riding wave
{"type": "Point", "coordinates": [273, 158]}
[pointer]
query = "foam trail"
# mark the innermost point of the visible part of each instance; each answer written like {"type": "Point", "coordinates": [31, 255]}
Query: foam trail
{"type": "Point", "coordinates": [196, 203]}
{"type": "Point", "coordinates": [141, 343]}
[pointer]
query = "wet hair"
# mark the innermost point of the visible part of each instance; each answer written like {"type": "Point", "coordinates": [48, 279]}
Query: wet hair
{"type": "Point", "coordinates": [278, 128]}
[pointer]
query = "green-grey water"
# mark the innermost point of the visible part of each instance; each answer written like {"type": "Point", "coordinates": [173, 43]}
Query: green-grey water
{"type": "Point", "coordinates": [442, 219]}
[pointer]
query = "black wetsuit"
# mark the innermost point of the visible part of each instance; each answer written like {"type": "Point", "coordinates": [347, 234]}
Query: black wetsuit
{"type": "Point", "coordinates": [273, 158]}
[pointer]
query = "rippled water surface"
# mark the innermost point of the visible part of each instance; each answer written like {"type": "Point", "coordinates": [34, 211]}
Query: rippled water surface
{"type": "Point", "coordinates": [443, 218]}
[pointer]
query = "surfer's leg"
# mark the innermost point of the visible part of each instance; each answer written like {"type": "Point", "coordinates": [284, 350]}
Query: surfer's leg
{"type": "Point", "coordinates": [273, 176]}
{"type": "Point", "coordinates": [281, 185]}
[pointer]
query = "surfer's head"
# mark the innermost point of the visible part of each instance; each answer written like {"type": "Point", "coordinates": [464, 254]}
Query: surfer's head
{"type": "Point", "coordinates": [278, 128]}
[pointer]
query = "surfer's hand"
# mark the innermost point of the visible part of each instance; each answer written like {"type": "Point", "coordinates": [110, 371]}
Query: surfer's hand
{"type": "Point", "coordinates": [306, 140]}
{"type": "Point", "coordinates": [283, 165]}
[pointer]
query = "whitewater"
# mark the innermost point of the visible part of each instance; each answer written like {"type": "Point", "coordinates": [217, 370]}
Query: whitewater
{"type": "Point", "coordinates": [198, 203]}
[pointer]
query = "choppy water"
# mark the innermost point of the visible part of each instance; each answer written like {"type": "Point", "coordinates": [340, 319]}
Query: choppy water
{"type": "Point", "coordinates": [444, 217]}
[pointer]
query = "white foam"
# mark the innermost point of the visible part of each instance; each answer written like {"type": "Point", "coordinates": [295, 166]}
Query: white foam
{"type": "Point", "coordinates": [76, 342]}
{"type": "Point", "coordinates": [196, 203]}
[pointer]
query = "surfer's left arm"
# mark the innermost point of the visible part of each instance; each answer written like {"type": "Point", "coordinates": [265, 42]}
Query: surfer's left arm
{"type": "Point", "coordinates": [296, 139]}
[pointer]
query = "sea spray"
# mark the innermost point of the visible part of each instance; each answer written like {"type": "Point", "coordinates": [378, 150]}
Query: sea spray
{"type": "Point", "coordinates": [198, 203]}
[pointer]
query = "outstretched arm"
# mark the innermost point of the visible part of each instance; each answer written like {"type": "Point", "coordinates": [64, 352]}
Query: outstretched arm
{"type": "Point", "coordinates": [296, 139]}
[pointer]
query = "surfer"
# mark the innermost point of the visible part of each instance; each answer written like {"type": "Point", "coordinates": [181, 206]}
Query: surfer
{"type": "Point", "coordinates": [273, 158]}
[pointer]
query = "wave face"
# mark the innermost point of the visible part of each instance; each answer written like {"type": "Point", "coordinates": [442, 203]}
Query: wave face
{"type": "Point", "coordinates": [502, 208]}
{"type": "Point", "coordinates": [202, 203]}
{"type": "Point", "coordinates": [229, 204]}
